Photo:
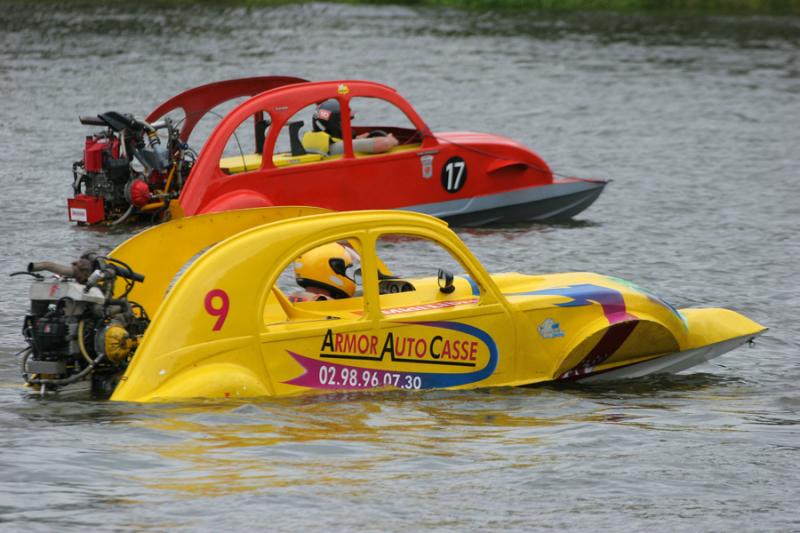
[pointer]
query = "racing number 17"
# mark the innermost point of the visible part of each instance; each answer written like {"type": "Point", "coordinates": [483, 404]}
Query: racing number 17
{"type": "Point", "coordinates": [455, 169]}
{"type": "Point", "coordinates": [454, 174]}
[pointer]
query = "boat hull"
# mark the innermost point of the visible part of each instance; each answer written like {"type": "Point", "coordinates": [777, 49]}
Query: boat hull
{"type": "Point", "coordinates": [668, 364]}
{"type": "Point", "coordinates": [241, 336]}
{"type": "Point", "coordinates": [545, 203]}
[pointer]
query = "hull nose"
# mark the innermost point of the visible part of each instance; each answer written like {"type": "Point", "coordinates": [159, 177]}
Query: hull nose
{"type": "Point", "coordinates": [713, 326]}
{"type": "Point", "coordinates": [711, 333]}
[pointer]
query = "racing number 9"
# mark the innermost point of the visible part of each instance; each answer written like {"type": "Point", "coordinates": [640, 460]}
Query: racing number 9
{"type": "Point", "coordinates": [454, 174]}
{"type": "Point", "coordinates": [221, 311]}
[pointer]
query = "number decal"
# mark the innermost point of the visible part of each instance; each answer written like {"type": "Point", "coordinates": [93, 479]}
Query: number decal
{"type": "Point", "coordinates": [354, 378]}
{"type": "Point", "coordinates": [221, 312]}
{"type": "Point", "coordinates": [454, 174]}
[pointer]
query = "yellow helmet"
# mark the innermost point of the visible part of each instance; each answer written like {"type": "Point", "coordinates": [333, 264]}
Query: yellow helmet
{"type": "Point", "coordinates": [326, 267]}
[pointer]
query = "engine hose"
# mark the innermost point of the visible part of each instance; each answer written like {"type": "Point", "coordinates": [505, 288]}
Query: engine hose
{"type": "Point", "coordinates": [22, 351]}
{"type": "Point", "coordinates": [170, 176]}
{"type": "Point", "coordinates": [67, 381]}
{"type": "Point", "coordinates": [123, 151]}
{"type": "Point", "coordinates": [81, 344]}
{"type": "Point", "coordinates": [124, 216]}
{"type": "Point", "coordinates": [26, 353]}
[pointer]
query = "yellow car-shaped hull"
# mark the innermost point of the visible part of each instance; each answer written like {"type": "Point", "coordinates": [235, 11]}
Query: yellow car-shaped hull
{"type": "Point", "coordinates": [223, 328]}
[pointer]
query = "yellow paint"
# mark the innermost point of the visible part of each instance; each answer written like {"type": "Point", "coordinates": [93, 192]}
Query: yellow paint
{"type": "Point", "coordinates": [317, 141]}
{"type": "Point", "coordinates": [262, 345]}
{"type": "Point", "coordinates": [249, 162]}
{"type": "Point", "coordinates": [162, 251]}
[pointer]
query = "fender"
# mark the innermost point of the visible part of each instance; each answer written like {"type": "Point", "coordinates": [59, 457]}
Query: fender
{"type": "Point", "coordinates": [503, 167]}
{"type": "Point", "coordinates": [600, 343]}
{"type": "Point", "coordinates": [216, 380]}
{"type": "Point", "coordinates": [243, 199]}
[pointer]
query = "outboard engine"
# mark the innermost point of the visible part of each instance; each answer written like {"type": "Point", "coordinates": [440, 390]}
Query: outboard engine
{"type": "Point", "coordinates": [126, 171]}
{"type": "Point", "coordinates": [77, 331]}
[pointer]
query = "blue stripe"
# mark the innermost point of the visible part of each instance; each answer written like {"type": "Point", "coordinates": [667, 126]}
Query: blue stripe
{"type": "Point", "coordinates": [475, 290]}
{"type": "Point", "coordinates": [438, 381]}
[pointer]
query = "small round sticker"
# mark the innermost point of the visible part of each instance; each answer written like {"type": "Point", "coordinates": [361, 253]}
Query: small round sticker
{"type": "Point", "coordinates": [454, 174]}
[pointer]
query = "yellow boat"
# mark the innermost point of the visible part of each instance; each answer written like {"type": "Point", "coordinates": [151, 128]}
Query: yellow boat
{"type": "Point", "coordinates": [224, 325]}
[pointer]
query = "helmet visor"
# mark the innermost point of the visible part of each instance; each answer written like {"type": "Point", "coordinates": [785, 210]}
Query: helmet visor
{"type": "Point", "coordinates": [339, 266]}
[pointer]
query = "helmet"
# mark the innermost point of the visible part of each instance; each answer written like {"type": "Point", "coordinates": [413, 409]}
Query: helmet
{"type": "Point", "coordinates": [328, 118]}
{"type": "Point", "coordinates": [326, 267]}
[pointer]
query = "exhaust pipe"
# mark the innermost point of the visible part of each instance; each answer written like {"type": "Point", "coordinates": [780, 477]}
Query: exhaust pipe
{"type": "Point", "coordinates": [49, 266]}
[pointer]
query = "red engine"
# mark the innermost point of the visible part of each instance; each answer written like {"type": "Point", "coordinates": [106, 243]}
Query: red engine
{"type": "Point", "coordinates": [125, 170]}
{"type": "Point", "coordinates": [96, 147]}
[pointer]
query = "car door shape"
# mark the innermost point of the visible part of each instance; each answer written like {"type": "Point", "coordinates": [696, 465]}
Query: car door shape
{"type": "Point", "coordinates": [421, 339]}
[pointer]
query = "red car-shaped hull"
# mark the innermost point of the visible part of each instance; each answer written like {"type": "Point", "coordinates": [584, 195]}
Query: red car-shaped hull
{"type": "Point", "coordinates": [466, 178]}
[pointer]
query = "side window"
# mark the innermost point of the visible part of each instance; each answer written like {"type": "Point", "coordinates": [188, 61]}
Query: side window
{"type": "Point", "coordinates": [410, 277]}
{"type": "Point", "coordinates": [323, 281]}
{"type": "Point", "coordinates": [243, 148]}
{"type": "Point", "coordinates": [374, 117]}
{"type": "Point", "coordinates": [209, 121]}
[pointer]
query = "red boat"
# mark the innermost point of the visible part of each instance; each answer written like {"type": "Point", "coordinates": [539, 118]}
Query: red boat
{"type": "Point", "coordinates": [466, 178]}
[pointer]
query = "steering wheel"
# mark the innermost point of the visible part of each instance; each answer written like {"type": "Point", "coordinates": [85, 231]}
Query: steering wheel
{"type": "Point", "coordinates": [377, 133]}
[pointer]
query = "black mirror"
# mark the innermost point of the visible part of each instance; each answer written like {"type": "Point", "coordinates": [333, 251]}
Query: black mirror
{"type": "Point", "coordinates": [261, 134]}
{"type": "Point", "coordinates": [446, 281]}
{"type": "Point", "coordinates": [294, 138]}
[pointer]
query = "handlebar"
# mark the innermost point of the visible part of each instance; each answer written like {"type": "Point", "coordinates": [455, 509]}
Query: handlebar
{"type": "Point", "coordinates": [122, 121]}
{"type": "Point", "coordinates": [92, 121]}
{"type": "Point", "coordinates": [127, 274]}
{"type": "Point", "coordinates": [81, 272]}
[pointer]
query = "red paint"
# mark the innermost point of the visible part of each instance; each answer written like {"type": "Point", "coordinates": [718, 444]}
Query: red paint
{"type": "Point", "coordinates": [220, 312]}
{"type": "Point", "coordinates": [352, 182]}
{"type": "Point", "coordinates": [85, 208]}
{"type": "Point", "coordinates": [95, 148]}
{"type": "Point", "coordinates": [197, 102]}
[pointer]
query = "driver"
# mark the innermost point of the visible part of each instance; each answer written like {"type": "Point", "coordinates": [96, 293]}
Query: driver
{"type": "Point", "coordinates": [325, 273]}
{"type": "Point", "coordinates": [327, 135]}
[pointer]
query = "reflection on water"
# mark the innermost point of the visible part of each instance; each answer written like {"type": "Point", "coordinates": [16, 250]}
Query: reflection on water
{"type": "Point", "coordinates": [362, 447]}
{"type": "Point", "coordinates": [333, 440]}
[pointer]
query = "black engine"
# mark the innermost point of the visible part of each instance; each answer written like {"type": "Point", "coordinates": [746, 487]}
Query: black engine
{"type": "Point", "coordinates": [77, 330]}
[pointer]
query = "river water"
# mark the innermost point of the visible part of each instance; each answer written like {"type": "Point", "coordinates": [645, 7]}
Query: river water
{"type": "Point", "coordinates": [697, 121]}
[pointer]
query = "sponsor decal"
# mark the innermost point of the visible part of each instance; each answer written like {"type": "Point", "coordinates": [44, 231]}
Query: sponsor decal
{"type": "Point", "coordinates": [550, 329]}
{"type": "Point", "coordinates": [448, 345]}
{"type": "Point", "coordinates": [324, 114]}
{"type": "Point", "coordinates": [343, 89]}
{"type": "Point", "coordinates": [434, 349]}
{"type": "Point", "coordinates": [427, 166]}
{"type": "Point", "coordinates": [426, 307]}
{"type": "Point", "coordinates": [77, 214]}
